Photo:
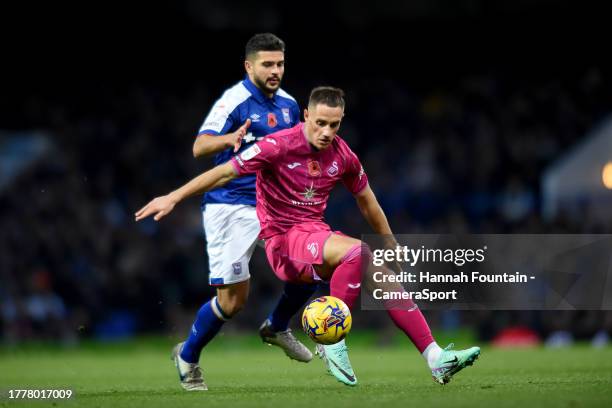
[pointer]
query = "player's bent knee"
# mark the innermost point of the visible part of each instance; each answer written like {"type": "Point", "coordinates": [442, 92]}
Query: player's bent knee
{"type": "Point", "coordinates": [336, 248]}
{"type": "Point", "coordinates": [366, 251]}
{"type": "Point", "coordinates": [353, 251]}
{"type": "Point", "coordinates": [359, 252]}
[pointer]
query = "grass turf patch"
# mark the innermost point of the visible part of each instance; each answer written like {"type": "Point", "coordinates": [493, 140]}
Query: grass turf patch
{"type": "Point", "coordinates": [241, 372]}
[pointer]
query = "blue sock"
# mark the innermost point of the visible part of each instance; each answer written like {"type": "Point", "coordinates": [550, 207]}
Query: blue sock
{"type": "Point", "coordinates": [293, 298]}
{"type": "Point", "coordinates": [207, 324]}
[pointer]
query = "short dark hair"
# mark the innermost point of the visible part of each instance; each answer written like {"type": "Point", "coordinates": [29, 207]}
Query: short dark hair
{"type": "Point", "coordinates": [327, 95]}
{"type": "Point", "coordinates": [263, 42]}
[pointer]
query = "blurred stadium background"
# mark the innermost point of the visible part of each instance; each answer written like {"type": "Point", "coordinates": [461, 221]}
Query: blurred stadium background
{"type": "Point", "coordinates": [471, 116]}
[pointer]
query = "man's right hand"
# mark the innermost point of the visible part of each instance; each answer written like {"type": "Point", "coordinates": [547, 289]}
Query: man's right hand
{"type": "Point", "coordinates": [158, 207]}
{"type": "Point", "coordinates": [235, 139]}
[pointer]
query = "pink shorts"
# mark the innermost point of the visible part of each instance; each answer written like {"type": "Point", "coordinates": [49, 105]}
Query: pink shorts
{"type": "Point", "coordinates": [293, 254]}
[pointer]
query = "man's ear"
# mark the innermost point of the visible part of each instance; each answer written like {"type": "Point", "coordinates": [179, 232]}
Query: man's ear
{"type": "Point", "coordinates": [305, 115]}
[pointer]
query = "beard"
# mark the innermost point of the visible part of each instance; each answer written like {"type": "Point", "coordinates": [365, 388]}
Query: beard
{"type": "Point", "coordinates": [263, 85]}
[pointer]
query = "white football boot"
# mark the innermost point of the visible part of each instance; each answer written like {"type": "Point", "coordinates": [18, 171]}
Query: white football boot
{"type": "Point", "coordinates": [190, 374]}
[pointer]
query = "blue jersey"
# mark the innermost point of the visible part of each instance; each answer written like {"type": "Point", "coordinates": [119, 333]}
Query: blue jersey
{"type": "Point", "coordinates": [268, 115]}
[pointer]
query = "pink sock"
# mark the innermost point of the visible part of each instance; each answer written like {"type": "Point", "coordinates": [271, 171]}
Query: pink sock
{"type": "Point", "coordinates": [408, 318]}
{"type": "Point", "coordinates": [345, 283]}
{"type": "Point", "coordinates": [413, 323]}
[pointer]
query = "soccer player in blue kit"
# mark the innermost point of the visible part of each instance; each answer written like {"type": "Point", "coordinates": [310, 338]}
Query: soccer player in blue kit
{"type": "Point", "coordinates": [248, 111]}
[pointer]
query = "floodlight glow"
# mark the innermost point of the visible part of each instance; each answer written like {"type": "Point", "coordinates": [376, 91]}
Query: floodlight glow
{"type": "Point", "coordinates": [606, 175]}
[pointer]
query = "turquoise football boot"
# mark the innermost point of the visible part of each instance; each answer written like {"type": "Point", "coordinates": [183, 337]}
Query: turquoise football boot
{"type": "Point", "coordinates": [452, 361]}
{"type": "Point", "coordinates": [338, 364]}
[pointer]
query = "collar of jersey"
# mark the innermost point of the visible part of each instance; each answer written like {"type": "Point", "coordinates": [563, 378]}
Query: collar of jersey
{"type": "Point", "coordinates": [256, 92]}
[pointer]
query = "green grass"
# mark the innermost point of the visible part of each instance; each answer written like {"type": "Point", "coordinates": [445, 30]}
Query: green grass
{"type": "Point", "coordinates": [241, 372]}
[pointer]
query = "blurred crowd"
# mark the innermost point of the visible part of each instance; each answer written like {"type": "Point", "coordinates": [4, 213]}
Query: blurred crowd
{"type": "Point", "coordinates": [461, 156]}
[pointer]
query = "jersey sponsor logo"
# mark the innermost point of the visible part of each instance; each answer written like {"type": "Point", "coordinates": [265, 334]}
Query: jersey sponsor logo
{"type": "Point", "coordinates": [216, 119]}
{"type": "Point", "coordinates": [209, 125]}
{"type": "Point", "coordinates": [333, 169]}
{"type": "Point", "coordinates": [314, 169]}
{"type": "Point", "coordinates": [294, 165]}
{"type": "Point", "coordinates": [272, 122]}
{"type": "Point", "coordinates": [286, 115]}
{"type": "Point", "coordinates": [313, 247]}
{"type": "Point", "coordinates": [309, 193]}
{"type": "Point", "coordinates": [248, 138]}
{"type": "Point", "coordinates": [251, 152]}
{"type": "Point", "coordinates": [271, 141]}
{"type": "Point", "coordinates": [361, 173]}
{"type": "Point", "coordinates": [255, 118]}
{"type": "Point", "coordinates": [307, 203]}
{"type": "Point", "coordinates": [354, 285]}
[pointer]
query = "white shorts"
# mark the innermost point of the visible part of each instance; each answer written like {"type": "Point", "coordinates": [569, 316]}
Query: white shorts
{"type": "Point", "coordinates": [231, 234]}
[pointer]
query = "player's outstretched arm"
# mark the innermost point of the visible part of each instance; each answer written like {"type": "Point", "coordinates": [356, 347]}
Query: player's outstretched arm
{"type": "Point", "coordinates": [375, 216]}
{"type": "Point", "coordinates": [162, 206]}
{"type": "Point", "coordinates": [206, 145]}
{"type": "Point", "coordinates": [372, 211]}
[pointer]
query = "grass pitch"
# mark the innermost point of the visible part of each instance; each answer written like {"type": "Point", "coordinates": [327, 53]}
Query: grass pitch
{"type": "Point", "coordinates": [241, 372]}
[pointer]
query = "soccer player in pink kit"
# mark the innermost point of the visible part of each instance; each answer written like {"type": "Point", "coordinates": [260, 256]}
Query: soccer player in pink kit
{"type": "Point", "coordinates": [296, 171]}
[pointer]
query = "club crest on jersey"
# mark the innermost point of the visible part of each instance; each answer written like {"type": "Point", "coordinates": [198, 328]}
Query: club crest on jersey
{"type": "Point", "coordinates": [333, 169]}
{"type": "Point", "coordinates": [314, 169]}
{"type": "Point", "coordinates": [272, 122]}
{"type": "Point", "coordinates": [286, 115]}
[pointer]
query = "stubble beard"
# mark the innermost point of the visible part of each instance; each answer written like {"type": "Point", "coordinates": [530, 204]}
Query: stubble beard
{"type": "Point", "coordinates": [264, 86]}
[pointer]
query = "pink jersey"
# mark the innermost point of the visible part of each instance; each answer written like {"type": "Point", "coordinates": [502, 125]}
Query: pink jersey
{"type": "Point", "coordinates": [294, 180]}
